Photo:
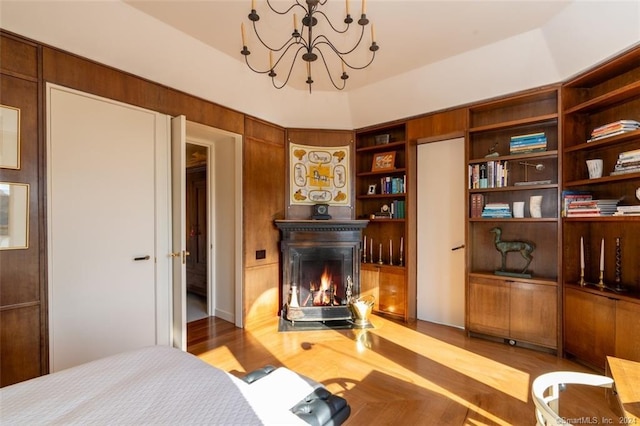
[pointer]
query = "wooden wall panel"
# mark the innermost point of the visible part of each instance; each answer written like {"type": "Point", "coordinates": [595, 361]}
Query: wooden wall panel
{"type": "Point", "coordinates": [261, 301]}
{"type": "Point", "coordinates": [82, 74]}
{"type": "Point", "coordinates": [23, 350]}
{"type": "Point", "coordinates": [263, 202]}
{"type": "Point", "coordinates": [439, 124]}
{"type": "Point", "coordinates": [21, 342]}
{"type": "Point", "coordinates": [327, 138]}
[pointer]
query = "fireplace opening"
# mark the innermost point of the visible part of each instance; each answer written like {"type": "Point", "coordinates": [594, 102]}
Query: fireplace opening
{"type": "Point", "coordinates": [322, 283]}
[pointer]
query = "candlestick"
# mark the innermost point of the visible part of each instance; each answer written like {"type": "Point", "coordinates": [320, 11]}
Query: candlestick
{"type": "Point", "coordinates": [364, 250]}
{"type": "Point", "coordinates": [618, 278]}
{"type": "Point", "coordinates": [253, 4]}
{"type": "Point", "coordinates": [602, 255]}
{"type": "Point", "coordinates": [380, 255]}
{"type": "Point", "coordinates": [347, 7]}
{"type": "Point", "coordinates": [373, 34]}
{"type": "Point", "coordinates": [401, 249]}
{"type": "Point", "coordinates": [371, 249]}
{"type": "Point", "coordinates": [390, 252]}
{"type": "Point", "coordinates": [364, 7]}
{"type": "Point", "coordinates": [244, 42]}
{"type": "Point", "coordinates": [581, 253]}
{"type": "Point", "coordinates": [295, 22]}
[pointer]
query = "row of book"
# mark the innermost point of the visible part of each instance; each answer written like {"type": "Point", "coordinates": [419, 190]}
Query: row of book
{"type": "Point", "coordinates": [628, 162]}
{"type": "Point", "coordinates": [524, 144]}
{"type": "Point", "coordinates": [397, 209]}
{"type": "Point", "coordinates": [612, 129]}
{"type": "Point", "coordinates": [492, 174]}
{"type": "Point", "coordinates": [392, 185]}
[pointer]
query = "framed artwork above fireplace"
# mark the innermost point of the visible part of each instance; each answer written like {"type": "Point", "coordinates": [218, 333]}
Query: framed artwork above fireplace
{"type": "Point", "coordinates": [319, 175]}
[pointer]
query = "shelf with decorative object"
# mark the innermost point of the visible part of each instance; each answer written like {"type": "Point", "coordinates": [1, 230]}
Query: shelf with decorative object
{"type": "Point", "coordinates": [601, 158]}
{"type": "Point", "coordinates": [513, 219]}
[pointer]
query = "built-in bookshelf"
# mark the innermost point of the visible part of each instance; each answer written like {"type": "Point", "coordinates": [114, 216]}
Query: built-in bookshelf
{"type": "Point", "coordinates": [381, 197]}
{"type": "Point", "coordinates": [513, 185]}
{"type": "Point", "coordinates": [600, 245]}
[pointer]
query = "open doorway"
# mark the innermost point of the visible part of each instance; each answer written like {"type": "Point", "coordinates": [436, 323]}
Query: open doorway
{"type": "Point", "coordinates": [213, 225]}
{"type": "Point", "coordinates": [197, 218]}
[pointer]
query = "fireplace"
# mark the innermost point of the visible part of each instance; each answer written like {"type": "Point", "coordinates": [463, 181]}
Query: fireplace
{"type": "Point", "coordinates": [320, 268]}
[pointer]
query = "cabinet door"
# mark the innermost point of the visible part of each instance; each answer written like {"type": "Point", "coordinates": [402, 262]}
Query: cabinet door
{"type": "Point", "coordinates": [489, 306]}
{"type": "Point", "coordinates": [392, 291]}
{"type": "Point", "coordinates": [589, 326]}
{"type": "Point", "coordinates": [534, 313]}
{"type": "Point", "coordinates": [369, 286]}
{"type": "Point", "coordinates": [627, 330]}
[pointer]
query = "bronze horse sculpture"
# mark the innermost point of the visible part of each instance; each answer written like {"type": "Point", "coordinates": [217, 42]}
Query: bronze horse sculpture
{"type": "Point", "coordinates": [525, 248]}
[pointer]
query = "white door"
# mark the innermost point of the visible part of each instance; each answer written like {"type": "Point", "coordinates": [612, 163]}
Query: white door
{"type": "Point", "coordinates": [440, 229]}
{"type": "Point", "coordinates": [179, 244]}
{"type": "Point", "coordinates": [108, 227]}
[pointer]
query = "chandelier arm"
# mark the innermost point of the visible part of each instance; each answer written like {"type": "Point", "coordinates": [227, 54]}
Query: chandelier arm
{"type": "Point", "coordinates": [292, 40]}
{"type": "Point", "coordinates": [340, 55]}
{"type": "Point", "coordinates": [317, 41]}
{"type": "Point", "coordinates": [326, 67]}
{"type": "Point", "coordinates": [295, 57]}
{"type": "Point", "coordinates": [326, 18]}
{"type": "Point", "coordinates": [297, 3]}
{"type": "Point", "coordinates": [246, 59]}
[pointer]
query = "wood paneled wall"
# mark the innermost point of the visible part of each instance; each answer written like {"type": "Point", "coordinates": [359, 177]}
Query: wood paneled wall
{"type": "Point", "coordinates": [26, 66]}
{"type": "Point", "coordinates": [23, 306]}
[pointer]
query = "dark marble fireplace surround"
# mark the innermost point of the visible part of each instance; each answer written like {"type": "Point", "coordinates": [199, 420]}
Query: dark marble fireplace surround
{"type": "Point", "coordinates": [311, 248]}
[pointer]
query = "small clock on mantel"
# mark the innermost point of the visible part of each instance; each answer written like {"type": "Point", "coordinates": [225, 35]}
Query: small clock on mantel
{"type": "Point", "coordinates": [321, 212]}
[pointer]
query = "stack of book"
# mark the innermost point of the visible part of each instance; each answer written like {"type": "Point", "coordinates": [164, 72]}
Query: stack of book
{"type": "Point", "coordinates": [612, 129]}
{"type": "Point", "coordinates": [588, 208]}
{"type": "Point", "coordinates": [627, 211]}
{"type": "Point", "coordinates": [496, 210]}
{"type": "Point", "coordinates": [628, 162]}
{"type": "Point", "coordinates": [524, 144]}
{"type": "Point", "coordinates": [569, 196]}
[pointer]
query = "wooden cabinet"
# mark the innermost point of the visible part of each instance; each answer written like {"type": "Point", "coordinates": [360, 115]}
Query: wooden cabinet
{"type": "Point", "coordinates": [516, 310]}
{"type": "Point", "coordinates": [387, 285]}
{"type": "Point", "coordinates": [512, 157]}
{"type": "Point", "coordinates": [383, 165]}
{"type": "Point", "coordinates": [597, 325]}
{"type": "Point", "coordinates": [606, 322]}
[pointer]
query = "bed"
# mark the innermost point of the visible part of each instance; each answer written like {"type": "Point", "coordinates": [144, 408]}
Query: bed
{"type": "Point", "coordinates": [163, 385]}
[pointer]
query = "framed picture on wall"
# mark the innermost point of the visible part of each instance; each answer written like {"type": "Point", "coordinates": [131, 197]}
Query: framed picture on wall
{"type": "Point", "coordinates": [384, 161]}
{"type": "Point", "coordinates": [9, 137]}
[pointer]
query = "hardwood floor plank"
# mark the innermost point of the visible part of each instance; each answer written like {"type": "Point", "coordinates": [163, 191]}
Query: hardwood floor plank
{"type": "Point", "coordinates": [396, 373]}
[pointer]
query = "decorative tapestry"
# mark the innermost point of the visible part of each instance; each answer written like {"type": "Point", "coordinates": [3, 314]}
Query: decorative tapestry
{"type": "Point", "coordinates": [319, 175]}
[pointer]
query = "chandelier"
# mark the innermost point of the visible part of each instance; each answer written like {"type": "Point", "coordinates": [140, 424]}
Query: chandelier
{"type": "Point", "coordinates": [309, 46]}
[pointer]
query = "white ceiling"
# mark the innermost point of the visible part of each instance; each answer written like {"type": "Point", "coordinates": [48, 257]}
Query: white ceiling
{"type": "Point", "coordinates": [411, 33]}
{"type": "Point", "coordinates": [434, 54]}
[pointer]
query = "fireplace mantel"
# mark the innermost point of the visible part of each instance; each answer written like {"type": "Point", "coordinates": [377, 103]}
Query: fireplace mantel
{"type": "Point", "coordinates": [321, 225]}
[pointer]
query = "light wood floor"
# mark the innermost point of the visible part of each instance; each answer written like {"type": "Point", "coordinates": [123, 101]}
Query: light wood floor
{"type": "Point", "coordinates": [417, 374]}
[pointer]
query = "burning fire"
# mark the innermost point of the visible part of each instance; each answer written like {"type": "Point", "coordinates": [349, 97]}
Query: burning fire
{"type": "Point", "coordinates": [327, 290]}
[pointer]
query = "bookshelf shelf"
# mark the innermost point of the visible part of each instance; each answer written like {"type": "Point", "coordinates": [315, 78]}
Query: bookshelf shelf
{"type": "Point", "coordinates": [605, 94]}
{"type": "Point", "coordinates": [387, 282]}
{"type": "Point", "coordinates": [493, 298]}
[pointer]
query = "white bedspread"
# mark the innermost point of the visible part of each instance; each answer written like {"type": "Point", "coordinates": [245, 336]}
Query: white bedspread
{"type": "Point", "coordinates": [155, 385]}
